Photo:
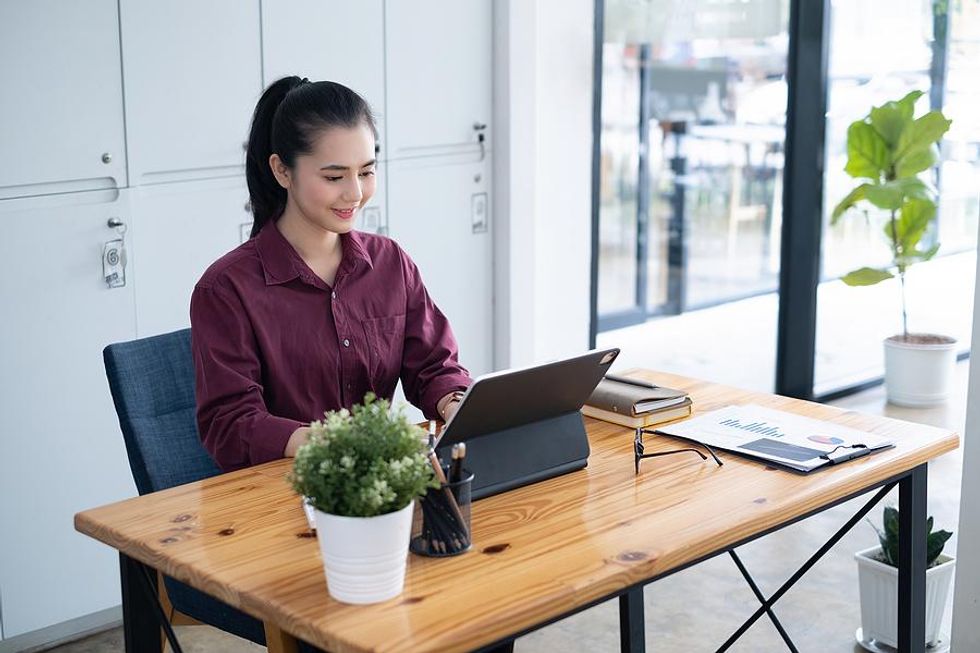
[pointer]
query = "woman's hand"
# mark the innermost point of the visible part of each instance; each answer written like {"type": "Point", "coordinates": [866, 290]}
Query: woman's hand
{"type": "Point", "coordinates": [447, 406]}
{"type": "Point", "coordinates": [296, 440]}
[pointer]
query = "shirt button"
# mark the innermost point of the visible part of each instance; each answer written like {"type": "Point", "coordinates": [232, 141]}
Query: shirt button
{"type": "Point", "coordinates": [333, 295]}
{"type": "Point", "coordinates": [346, 342]}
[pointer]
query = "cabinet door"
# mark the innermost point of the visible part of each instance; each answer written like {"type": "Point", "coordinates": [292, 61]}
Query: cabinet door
{"type": "Point", "coordinates": [438, 74]}
{"type": "Point", "coordinates": [61, 449]}
{"type": "Point", "coordinates": [61, 119]}
{"type": "Point", "coordinates": [334, 40]}
{"type": "Point", "coordinates": [193, 75]}
{"type": "Point", "coordinates": [178, 231]}
{"type": "Point", "coordinates": [440, 216]}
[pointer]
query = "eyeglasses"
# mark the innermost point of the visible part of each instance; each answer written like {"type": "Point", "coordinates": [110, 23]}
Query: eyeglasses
{"type": "Point", "coordinates": [639, 455]}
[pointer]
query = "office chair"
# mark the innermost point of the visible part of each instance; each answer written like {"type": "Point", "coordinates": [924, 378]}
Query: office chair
{"type": "Point", "coordinates": [152, 386]}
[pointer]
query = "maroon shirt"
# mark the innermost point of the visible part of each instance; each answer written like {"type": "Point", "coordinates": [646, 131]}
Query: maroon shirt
{"type": "Point", "coordinates": [274, 346]}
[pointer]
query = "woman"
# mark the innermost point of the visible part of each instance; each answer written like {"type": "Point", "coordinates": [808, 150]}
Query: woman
{"type": "Point", "coordinates": [309, 315]}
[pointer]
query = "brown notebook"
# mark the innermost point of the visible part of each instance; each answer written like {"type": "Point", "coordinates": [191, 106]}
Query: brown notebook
{"type": "Point", "coordinates": [633, 400]}
{"type": "Point", "coordinates": [643, 420]}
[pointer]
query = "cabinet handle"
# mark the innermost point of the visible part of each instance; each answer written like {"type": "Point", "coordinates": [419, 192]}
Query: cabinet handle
{"type": "Point", "coordinates": [114, 255]}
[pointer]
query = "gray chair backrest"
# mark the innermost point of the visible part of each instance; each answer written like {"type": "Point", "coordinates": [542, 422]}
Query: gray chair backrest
{"type": "Point", "coordinates": [152, 385]}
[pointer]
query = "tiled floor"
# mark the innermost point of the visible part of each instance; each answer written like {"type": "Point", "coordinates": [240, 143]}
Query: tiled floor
{"type": "Point", "coordinates": [696, 609]}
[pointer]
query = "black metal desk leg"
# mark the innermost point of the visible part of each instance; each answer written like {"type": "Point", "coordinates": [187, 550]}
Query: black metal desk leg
{"type": "Point", "coordinates": [912, 561]}
{"type": "Point", "coordinates": [140, 628]}
{"type": "Point", "coordinates": [631, 621]}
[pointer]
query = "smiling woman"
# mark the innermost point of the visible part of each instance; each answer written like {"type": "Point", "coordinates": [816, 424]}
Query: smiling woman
{"type": "Point", "coordinates": [309, 315]}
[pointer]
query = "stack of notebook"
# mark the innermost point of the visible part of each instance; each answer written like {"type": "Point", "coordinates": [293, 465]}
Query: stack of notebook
{"type": "Point", "coordinates": [636, 403]}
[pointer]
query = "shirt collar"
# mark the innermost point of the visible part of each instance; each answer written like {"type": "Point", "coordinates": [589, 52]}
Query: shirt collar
{"type": "Point", "coordinates": [281, 263]}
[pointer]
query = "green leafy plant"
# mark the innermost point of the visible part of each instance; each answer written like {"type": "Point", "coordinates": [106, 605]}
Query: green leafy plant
{"type": "Point", "coordinates": [364, 462]}
{"type": "Point", "coordinates": [889, 149]}
{"type": "Point", "coordinates": [888, 537]}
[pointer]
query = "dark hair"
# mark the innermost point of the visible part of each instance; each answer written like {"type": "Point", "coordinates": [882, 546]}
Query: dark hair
{"type": "Point", "coordinates": [286, 121]}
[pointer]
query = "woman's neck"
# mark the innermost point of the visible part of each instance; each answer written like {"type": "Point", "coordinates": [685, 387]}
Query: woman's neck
{"type": "Point", "coordinates": [319, 248]}
{"type": "Point", "coordinates": [312, 242]}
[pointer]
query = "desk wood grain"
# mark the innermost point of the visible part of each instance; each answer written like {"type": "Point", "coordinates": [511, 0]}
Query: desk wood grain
{"type": "Point", "coordinates": [539, 552]}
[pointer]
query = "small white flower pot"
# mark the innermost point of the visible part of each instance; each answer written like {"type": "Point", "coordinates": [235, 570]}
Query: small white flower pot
{"type": "Point", "coordinates": [879, 597]}
{"type": "Point", "coordinates": [364, 558]}
{"type": "Point", "coordinates": [918, 374]}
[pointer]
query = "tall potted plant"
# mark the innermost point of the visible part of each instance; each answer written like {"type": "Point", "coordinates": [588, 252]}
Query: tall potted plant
{"type": "Point", "coordinates": [887, 150]}
{"type": "Point", "coordinates": [878, 581]}
{"type": "Point", "coordinates": [361, 470]}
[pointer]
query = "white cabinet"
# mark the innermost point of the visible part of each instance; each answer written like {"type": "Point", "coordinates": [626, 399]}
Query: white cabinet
{"type": "Point", "coordinates": [438, 56]}
{"type": "Point", "coordinates": [61, 118]}
{"type": "Point", "coordinates": [440, 216]}
{"type": "Point", "coordinates": [192, 77]}
{"type": "Point", "coordinates": [338, 41]}
{"type": "Point", "coordinates": [60, 450]}
{"type": "Point", "coordinates": [335, 40]}
{"type": "Point", "coordinates": [178, 230]}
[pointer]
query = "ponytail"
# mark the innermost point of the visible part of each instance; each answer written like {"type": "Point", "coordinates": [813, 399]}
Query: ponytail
{"type": "Point", "coordinates": [287, 119]}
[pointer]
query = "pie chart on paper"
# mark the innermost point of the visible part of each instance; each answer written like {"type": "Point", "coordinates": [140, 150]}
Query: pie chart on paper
{"type": "Point", "coordinates": [825, 439]}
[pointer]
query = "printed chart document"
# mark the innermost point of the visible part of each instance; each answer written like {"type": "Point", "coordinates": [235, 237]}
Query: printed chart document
{"type": "Point", "coordinates": [790, 440]}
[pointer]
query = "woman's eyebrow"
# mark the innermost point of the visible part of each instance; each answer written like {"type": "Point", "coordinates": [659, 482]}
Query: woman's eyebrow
{"type": "Point", "coordinates": [337, 166]}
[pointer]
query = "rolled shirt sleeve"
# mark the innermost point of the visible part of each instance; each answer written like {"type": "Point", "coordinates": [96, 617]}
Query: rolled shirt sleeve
{"type": "Point", "coordinates": [430, 359]}
{"type": "Point", "coordinates": [234, 423]}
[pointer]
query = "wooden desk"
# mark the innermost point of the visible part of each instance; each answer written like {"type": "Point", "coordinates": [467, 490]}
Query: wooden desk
{"type": "Point", "coordinates": [541, 552]}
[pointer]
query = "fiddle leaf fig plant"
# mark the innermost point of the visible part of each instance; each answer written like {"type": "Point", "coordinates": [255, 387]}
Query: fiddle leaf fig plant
{"type": "Point", "coordinates": [888, 537]}
{"type": "Point", "coordinates": [888, 149]}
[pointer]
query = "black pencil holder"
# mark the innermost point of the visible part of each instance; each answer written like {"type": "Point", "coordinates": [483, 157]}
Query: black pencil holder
{"type": "Point", "coordinates": [441, 523]}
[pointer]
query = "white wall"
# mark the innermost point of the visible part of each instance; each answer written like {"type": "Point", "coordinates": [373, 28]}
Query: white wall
{"type": "Point", "coordinates": [543, 117]}
{"type": "Point", "coordinates": [966, 600]}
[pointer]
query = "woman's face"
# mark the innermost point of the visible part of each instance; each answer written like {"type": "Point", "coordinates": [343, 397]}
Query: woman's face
{"type": "Point", "coordinates": [328, 186]}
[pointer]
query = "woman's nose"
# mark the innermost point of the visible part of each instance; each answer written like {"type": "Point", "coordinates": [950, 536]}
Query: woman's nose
{"type": "Point", "coordinates": [352, 191]}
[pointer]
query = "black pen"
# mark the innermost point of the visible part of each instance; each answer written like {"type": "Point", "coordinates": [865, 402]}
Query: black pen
{"type": "Point", "coordinates": [628, 380]}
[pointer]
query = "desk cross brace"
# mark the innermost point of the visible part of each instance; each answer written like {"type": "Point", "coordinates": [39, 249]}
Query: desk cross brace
{"type": "Point", "coordinates": [766, 607]}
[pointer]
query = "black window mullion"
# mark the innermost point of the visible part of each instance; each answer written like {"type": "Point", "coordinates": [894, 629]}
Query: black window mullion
{"type": "Point", "coordinates": [803, 178]}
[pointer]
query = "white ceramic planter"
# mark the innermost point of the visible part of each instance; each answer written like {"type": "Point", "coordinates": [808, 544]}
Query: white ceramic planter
{"type": "Point", "coordinates": [919, 374]}
{"type": "Point", "coordinates": [364, 558]}
{"type": "Point", "coordinates": [879, 597]}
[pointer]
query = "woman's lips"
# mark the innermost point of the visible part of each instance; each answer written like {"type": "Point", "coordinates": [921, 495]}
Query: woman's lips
{"type": "Point", "coordinates": [344, 214]}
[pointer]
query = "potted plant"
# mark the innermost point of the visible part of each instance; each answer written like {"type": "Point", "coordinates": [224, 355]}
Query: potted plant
{"type": "Point", "coordinates": [888, 150]}
{"type": "Point", "coordinates": [361, 470]}
{"type": "Point", "coordinates": [878, 581]}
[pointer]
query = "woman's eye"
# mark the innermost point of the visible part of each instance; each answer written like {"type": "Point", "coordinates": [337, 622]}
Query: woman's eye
{"type": "Point", "coordinates": [367, 173]}
{"type": "Point", "coordinates": [333, 178]}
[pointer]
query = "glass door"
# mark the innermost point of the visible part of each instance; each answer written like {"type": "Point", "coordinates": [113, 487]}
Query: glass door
{"type": "Point", "coordinates": [692, 135]}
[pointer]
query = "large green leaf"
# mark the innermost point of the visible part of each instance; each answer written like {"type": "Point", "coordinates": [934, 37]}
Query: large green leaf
{"type": "Point", "coordinates": [852, 198]}
{"type": "Point", "coordinates": [913, 220]}
{"type": "Point", "coordinates": [866, 277]}
{"type": "Point", "coordinates": [925, 255]}
{"type": "Point", "coordinates": [922, 133]}
{"type": "Point", "coordinates": [913, 187]}
{"type": "Point", "coordinates": [907, 104]}
{"type": "Point", "coordinates": [916, 161]}
{"type": "Point", "coordinates": [867, 151]}
{"type": "Point", "coordinates": [888, 196]}
{"type": "Point", "coordinates": [890, 120]}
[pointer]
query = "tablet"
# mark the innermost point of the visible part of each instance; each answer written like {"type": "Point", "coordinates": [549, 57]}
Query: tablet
{"type": "Point", "coordinates": [524, 425]}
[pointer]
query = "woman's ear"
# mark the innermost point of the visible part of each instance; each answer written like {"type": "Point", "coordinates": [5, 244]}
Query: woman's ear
{"type": "Point", "coordinates": [279, 170]}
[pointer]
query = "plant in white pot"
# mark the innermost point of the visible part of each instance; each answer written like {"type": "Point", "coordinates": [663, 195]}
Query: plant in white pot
{"type": "Point", "coordinates": [361, 470]}
{"type": "Point", "coordinates": [888, 150]}
{"type": "Point", "coordinates": [878, 581]}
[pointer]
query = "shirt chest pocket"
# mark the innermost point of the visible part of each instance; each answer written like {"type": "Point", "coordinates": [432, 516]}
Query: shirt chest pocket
{"type": "Point", "coordinates": [385, 339]}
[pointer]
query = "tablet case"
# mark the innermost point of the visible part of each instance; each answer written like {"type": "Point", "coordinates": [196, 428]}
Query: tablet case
{"type": "Point", "coordinates": [523, 426]}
